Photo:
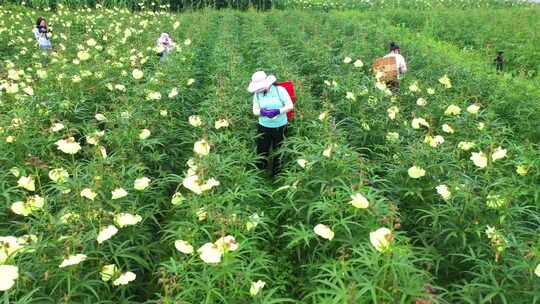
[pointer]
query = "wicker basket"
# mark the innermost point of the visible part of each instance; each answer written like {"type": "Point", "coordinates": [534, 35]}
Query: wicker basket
{"type": "Point", "coordinates": [386, 68]}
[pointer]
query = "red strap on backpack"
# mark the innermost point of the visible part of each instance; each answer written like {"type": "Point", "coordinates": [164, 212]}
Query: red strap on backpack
{"type": "Point", "coordinates": [289, 86]}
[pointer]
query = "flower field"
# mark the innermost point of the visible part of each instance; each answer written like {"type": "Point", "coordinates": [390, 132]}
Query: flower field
{"type": "Point", "coordinates": [129, 180]}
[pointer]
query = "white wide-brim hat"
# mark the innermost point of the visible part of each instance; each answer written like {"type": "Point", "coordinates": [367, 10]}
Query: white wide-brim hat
{"type": "Point", "coordinates": [259, 80]}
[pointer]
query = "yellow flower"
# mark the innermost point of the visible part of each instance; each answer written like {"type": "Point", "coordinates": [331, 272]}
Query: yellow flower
{"type": "Point", "coordinates": [8, 275]}
{"type": "Point", "coordinates": [108, 272]}
{"type": "Point", "coordinates": [434, 141]}
{"type": "Point", "coordinates": [445, 81]}
{"type": "Point", "coordinates": [73, 260]}
{"type": "Point", "coordinates": [100, 117]}
{"type": "Point", "coordinates": [10, 139]}
{"type": "Point", "coordinates": [447, 129]}
{"type": "Point", "coordinates": [137, 74]}
{"type": "Point", "coordinates": [537, 270]}
{"type": "Point", "coordinates": [416, 172]}
{"type": "Point", "coordinates": [58, 175]}
{"type": "Point", "coordinates": [522, 170]}
{"type": "Point", "coordinates": [118, 193]}
{"type": "Point", "coordinates": [141, 183]}
{"type": "Point", "coordinates": [83, 55]}
{"type": "Point", "coordinates": [88, 193]}
{"type": "Point", "coordinates": [91, 42]}
{"type": "Point", "coordinates": [392, 136]}
{"type": "Point", "coordinates": [359, 201]}
{"type": "Point", "coordinates": [358, 63]}
{"type": "Point", "coordinates": [473, 109]}
{"type": "Point", "coordinates": [380, 239]}
{"type": "Point", "coordinates": [222, 123]}
{"type": "Point", "coordinates": [68, 146]}
{"type": "Point", "coordinates": [106, 233]}
{"type": "Point", "coordinates": [210, 253]}
{"type": "Point", "coordinates": [227, 243]}
{"type": "Point", "coordinates": [430, 91]}
{"type": "Point", "coordinates": [163, 113]}
{"type": "Point", "coordinates": [328, 151]}
{"type": "Point", "coordinates": [392, 112]}
{"type": "Point", "coordinates": [466, 145]}
{"type": "Point", "coordinates": [256, 287]}
{"type": "Point", "coordinates": [187, 42]}
{"type": "Point", "coordinates": [190, 81]}
{"type": "Point", "coordinates": [302, 163]}
{"type": "Point", "coordinates": [253, 222]}
{"type": "Point", "coordinates": [57, 127]}
{"type": "Point", "coordinates": [27, 182]}
{"type": "Point", "coordinates": [479, 159]}
{"type": "Point", "coordinates": [183, 247]}
{"type": "Point", "coordinates": [421, 102]}
{"type": "Point", "coordinates": [177, 199]}
{"type": "Point", "coordinates": [125, 278]}
{"type": "Point", "coordinates": [323, 116]}
{"type": "Point", "coordinates": [414, 87]}
{"type": "Point", "coordinates": [202, 214]}
{"type": "Point", "coordinates": [29, 91]}
{"type": "Point", "coordinates": [127, 219]}
{"type": "Point", "coordinates": [350, 95]}
{"type": "Point", "coordinates": [173, 93]}
{"type": "Point", "coordinates": [195, 120]}
{"type": "Point", "coordinates": [20, 208]}
{"type": "Point", "coordinates": [452, 110]}
{"type": "Point", "coordinates": [201, 147]}
{"type": "Point", "coordinates": [347, 60]}
{"type": "Point", "coordinates": [417, 122]}
{"type": "Point", "coordinates": [480, 126]}
{"type": "Point", "coordinates": [443, 191]}
{"type": "Point", "coordinates": [144, 134]}
{"type": "Point", "coordinates": [498, 154]}
{"type": "Point", "coordinates": [176, 25]}
{"type": "Point", "coordinates": [324, 231]}
{"type": "Point", "coordinates": [12, 88]}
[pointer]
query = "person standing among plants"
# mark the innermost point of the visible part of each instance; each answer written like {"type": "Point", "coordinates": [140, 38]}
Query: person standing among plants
{"type": "Point", "coordinates": [499, 61]}
{"type": "Point", "coordinates": [42, 34]}
{"type": "Point", "coordinates": [165, 45]}
{"type": "Point", "coordinates": [401, 65]}
{"type": "Point", "coordinates": [271, 103]}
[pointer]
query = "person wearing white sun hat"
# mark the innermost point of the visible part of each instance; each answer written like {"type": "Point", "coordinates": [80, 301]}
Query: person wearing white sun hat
{"type": "Point", "coordinates": [271, 103]}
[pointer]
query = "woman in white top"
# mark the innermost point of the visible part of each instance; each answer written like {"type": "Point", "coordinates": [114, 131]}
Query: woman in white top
{"type": "Point", "coordinates": [401, 65]}
{"type": "Point", "coordinates": [165, 45]}
{"type": "Point", "coordinates": [42, 34]}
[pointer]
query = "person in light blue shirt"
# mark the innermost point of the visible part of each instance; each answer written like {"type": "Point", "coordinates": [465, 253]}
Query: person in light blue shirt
{"type": "Point", "coordinates": [271, 103]}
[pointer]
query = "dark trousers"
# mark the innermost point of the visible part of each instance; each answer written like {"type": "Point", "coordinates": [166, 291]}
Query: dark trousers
{"type": "Point", "coordinates": [269, 139]}
{"type": "Point", "coordinates": [393, 85]}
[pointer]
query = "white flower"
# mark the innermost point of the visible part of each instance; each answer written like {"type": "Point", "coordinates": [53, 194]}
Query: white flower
{"type": "Point", "coordinates": [359, 201]}
{"type": "Point", "coordinates": [481, 126]}
{"type": "Point", "coordinates": [430, 91]}
{"type": "Point", "coordinates": [445, 81]}
{"type": "Point", "coordinates": [108, 272]}
{"type": "Point", "coordinates": [473, 109]}
{"type": "Point", "coordinates": [498, 154]}
{"type": "Point", "coordinates": [91, 42]}
{"type": "Point", "coordinates": [125, 278]}
{"type": "Point", "coordinates": [210, 253]}
{"type": "Point", "coordinates": [127, 219]}
{"type": "Point", "coordinates": [88, 193]}
{"type": "Point", "coordinates": [183, 247]}
{"type": "Point", "coordinates": [68, 146]}
{"type": "Point", "coordinates": [447, 129]}
{"type": "Point", "coordinates": [72, 260]}
{"type": "Point", "coordinates": [253, 222]}
{"type": "Point", "coordinates": [537, 270]}
{"type": "Point", "coordinates": [222, 123]}
{"type": "Point", "coordinates": [350, 95]}
{"type": "Point", "coordinates": [8, 275]}
{"type": "Point", "coordinates": [256, 287]}
{"type": "Point", "coordinates": [358, 63]}
{"type": "Point", "coordinates": [163, 113]}
{"type": "Point", "coordinates": [195, 120]}
{"type": "Point", "coordinates": [380, 86]}
{"type": "Point", "coordinates": [57, 127]}
{"type": "Point", "coordinates": [416, 172]}
{"type": "Point", "coordinates": [190, 81]}
{"type": "Point", "coordinates": [137, 74]}
{"type": "Point", "coordinates": [417, 122]}
{"type": "Point", "coordinates": [173, 93]}
{"type": "Point", "coordinates": [421, 102]}
{"type": "Point", "coordinates": [153, 96]}
{"type": "Point", "coordinates": [392, 112]}
{"type": "Point", "coordinates": [187, 41]}
{"type": "Point", "coordinates": [83, 55]}
{"type": "Point", "coordinates": [466, 145]}
{"type": "Point", "coordinates": [27, 182]}
{"type": "Point", "coordinates": [20, 208]}
{"type": "Point", "coordinates": [118, 193]}
{"type": "Point", "coordinates": [434, 141]}
{"type": "Point", "coordinates": [145, 133]}
{"type": "Point", "coordinates": [9, 247]}
{"type": "Point", "coordinates": [323, 116]}
{"type": "Point", "coordinates": [141, 183]}
{"type": "Point", "coordinates": [177, 199]}
{"type": "Point", "coordinates": [202, 214]}
{"type": "Point", "coordinates": [302, 163]}
{"type": "Point", "coordinates": [176, 25]}
{"type": "Point", "coordinates": [443, 191]}
{"type": "Point", "coordinates": [193, 183]}
{"type": "Point", "coordinates": [380, 239]}
{"type": "Point", "coordinates": [201, 147]}
{"type": "Point", "coordinates": [58, 175]}
{"type": "Point", "coordinates": [414, 87]}
{"type": "Point", "coordinates": [392, 136]}
{"type": "Point", "coordinates": [328, 151]}
{"type": "Point", "coordinates": [479, 159]}
{"type": "Point", "coordinates": [347, 60]}
{"type": "Point", "coordinates": [227, 243]}
{"type": "Point", "coordinates": [100, 117]}
{"type": "Point", "coordinates": [452, 110]}
{"type": "Point", "coordinates": [106, 233]}
{"type": "Point", "coordinates": [324, 231]}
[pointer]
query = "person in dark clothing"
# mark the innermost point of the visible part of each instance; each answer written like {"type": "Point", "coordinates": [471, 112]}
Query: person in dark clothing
{"type": "Point", "coordinates": [271, 104]}
{"type": "Point", "coordinates": [499, 61]}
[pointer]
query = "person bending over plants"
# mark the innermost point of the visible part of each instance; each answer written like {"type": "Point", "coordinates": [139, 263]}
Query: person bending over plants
{"type": "Point", "coordinates": [165, 45]}
{"type": "Point", "coordinates": [400, 63]}
{"type": "Point", "coordinates": [271, 103]}
{"type": "Point", "coordinates": [43, 34]}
